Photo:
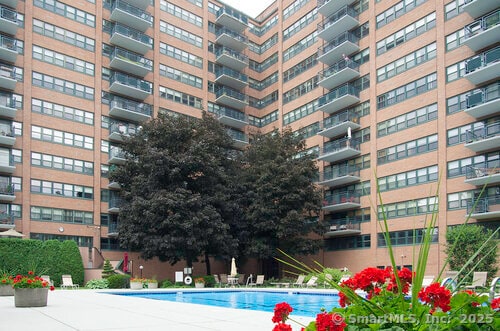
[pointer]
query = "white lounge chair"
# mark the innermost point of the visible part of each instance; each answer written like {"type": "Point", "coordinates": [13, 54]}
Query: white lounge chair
{"type": "Point", "coordinates": [478, 280]}
{"type": "Point", "coordinates": [312, 282]}
{"type": "Point", "coordinates": [300, 281]}
{"type": "Point", "coordinates": [427, 281]}
{"type": "Point", "coordinates": [67, 282]}
{"type": "Point", "coordinates": [259, 281]}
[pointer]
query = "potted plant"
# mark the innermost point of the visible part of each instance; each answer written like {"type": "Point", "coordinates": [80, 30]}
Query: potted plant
{"type": "Point", "coordinates": [199, 282]}
{"type": "Point", "coordinates": [6, 282]}
{"type": "Point", "coordinates": [152, 283]}
{"type": "Point", "coordinates": [30, 290]}
{"type": "Point", "coordinates": [136, 283]}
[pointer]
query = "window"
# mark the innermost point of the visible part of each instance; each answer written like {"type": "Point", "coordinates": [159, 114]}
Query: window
{"type": "Point", "coordinates": [63, 35]}
{"type": "Point", "coordinates": [397, 11]}
{"type": "Point", "coordinates": [407, 149]}
{"type": "Point", "coordinates": [61, 215]}
{"type": "Point", "coordinates": [181, 13]}
{"type": "Point", "coordinates": [67, 11]}
{"type": "Point", "coordinates": [61, 189]}
{"type": "Point", "coordinates": [60, 137]}
{"type": "Point", "coordinates": [181, 55]}
{"type": "Point", "coordinates": [63, 86]}
{"type": "Point", "coordinates": [181, 34]}
{"type": "Point", "coordinates": [406, 62]}
{"type": "Point", "coordinates": [300, 24]}
{"type": "Point", "coordinates": [407, 120]}
{"type": "Point", "coordinates": [180, 97]}
{"type": "Point", "coordinates": [62, 163]}
{"type": "Point", "coordinates": [300, 90]}
{"type": "Point", "coordinates": [60, 111]}
{"type": "Point", "coordinates": [300, 46]}
{"type": "Point", "coordinates": [409, 178]}
{"type": "Point", "coordinates": [407, 91]}
{"type": "Point", "coordinates": [181, 76]}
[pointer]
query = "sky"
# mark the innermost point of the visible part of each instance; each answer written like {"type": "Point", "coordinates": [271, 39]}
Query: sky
{"type": "Point", "coordinates": [250, 7]}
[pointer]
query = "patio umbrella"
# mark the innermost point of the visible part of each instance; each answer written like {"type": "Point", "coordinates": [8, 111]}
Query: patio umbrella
{"type": "Point", "coordinates": [234, 271]}
{"type": "Point", "coordinates": [11, 233]}
{"type": "Point", "coordinates": [125, 262]}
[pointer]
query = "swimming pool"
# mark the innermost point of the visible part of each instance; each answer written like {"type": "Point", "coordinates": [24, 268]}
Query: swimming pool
{"type": "Point", "coordinates": [303, 303]}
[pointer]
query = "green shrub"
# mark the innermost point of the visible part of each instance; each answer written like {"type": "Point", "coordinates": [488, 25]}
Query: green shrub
{"type": "Point", "coordinates": [97, 284]}
{"type": "Point", "coordinates": [119, 281]}
{"type": "Point", "coordinates": [166, 284]}
{"type": "Point", "coordinates": [209, 281]}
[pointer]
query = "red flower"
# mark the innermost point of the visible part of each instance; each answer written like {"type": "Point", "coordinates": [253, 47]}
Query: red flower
{"type": "Point", "coordinates": [330, 322]}
{"type": "Point", "coordinates": [281, 312]}
{"type": "Point", "coordinates": [282, 327]}
{"type": "Point", "coordinates": [52, 288]}
{"type": "Point", "coordinates": [495, 304]}
{"type": "Point", "coordinates": [30, 273]}
{"type": "Point", "coordinates": [436, 295]}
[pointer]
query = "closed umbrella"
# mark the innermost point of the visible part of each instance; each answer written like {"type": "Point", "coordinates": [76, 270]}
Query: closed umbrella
{"type": "Point", "coordinates": [234, 271]}
{"type": "Point", "coordinates": [125, 262]}
{"type": "Point", "coordinates": [11, 233]}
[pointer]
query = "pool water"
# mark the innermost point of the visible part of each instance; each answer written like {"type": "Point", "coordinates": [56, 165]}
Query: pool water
{"type": "Point", "coordinates": [303, 304]}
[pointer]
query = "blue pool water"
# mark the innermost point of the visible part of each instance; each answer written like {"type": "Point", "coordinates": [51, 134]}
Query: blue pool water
{"type": "Point", "coordinates": [304, 304]}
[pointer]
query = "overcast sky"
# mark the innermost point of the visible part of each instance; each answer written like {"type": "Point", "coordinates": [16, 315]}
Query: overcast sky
{"type": "Point", "coordinates": [250, 7]}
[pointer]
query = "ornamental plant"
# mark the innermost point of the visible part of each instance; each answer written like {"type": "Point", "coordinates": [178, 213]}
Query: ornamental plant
{"type": "Point", "coordinates": [30, 281]}
{"type": "Point", "coordinates": [392, 299]}
{"type": "Point", "coordinates": [199, 280]}
{"type": "Point", "coordinates": [6, 279]}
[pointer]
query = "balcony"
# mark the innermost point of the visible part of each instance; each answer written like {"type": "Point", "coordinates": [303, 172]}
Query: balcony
{"type": "Point", "coordinates": [114, 204]}
{"type": "Point", "coordinates": [482, 174]}
{"type": "Point", "coordinates": [328, 7]}
{"type": "Point", "coordinates": [486, 208]}
{"type": "Point", "coordinates": [484, 102]}
{"type": "Point", "coordinates": [339, 124]}
{"type": "Point", "coordinates": [231, 117]}
{"type": "Point", "coordinates": [476, 8]}
{"type": "Point", "coordinates": [340, 175]}
{"type": "Point", "coordinates": [130, 62]}
{"type": "Point", "coordinates": [231, 98]}
{"type": "Point", "coordinates": [116, 155]}
{"type": "Point", "coordinates": [8, 20]}
{"type": "Point", "coordinates": [231, 39]}
{"type": "Point", "coordinates": [484, 139]}
{"type": "Point", "coordinates": [7, 164]}
{"type": "Point", "coordinates": [343, 20]}
{"type": "Point", "coordinates": [232, 19]}
{"type": "Point", "coordinates": [117, 131]}
{"type": "Point", "coordinates": [7, 77]}
{"type": "Point", "coordinates": [342, 228]}
{"type": "Point", "coordinates": [114, 186]}
{"type": "Point", "coordinates": [130, 39]}
{"type": "Point", "coordinates": [339, 73]}
{"type": "Point", "coordinates": [113, 230]}
{"type": "Point", "coordinates": [10, 3]}
{"type": "Point", "coordinates": [240, 140]}
{"type": "Point", "coordinates": [7, 135]}
{"type": "Point", "coordinates": [229, 77]}
{"type": "Point", "coordinates": [232, 59]}
{"type": "Point", "coordinates": [483, 32]}
{"type": "Point", "coordinates": [127, 14]}
{"type": "Point", "coordinates": [339, 98]}
{"type": "Point", "coordinates": [338, 150]}
{"type": "Point", "coordinates": [8, 49]}
{"type": "Point", "coordinates": [344, 44]}
{"type": "Point", "coordinates": [142, 4]}
{"type": "Point", "coordinates": [7, 221]}
{"type": "Point", "coordinates": [130, 110]}
{"type": "Point", "coordinates": [130, 86]}
{"type": "Point", "coordinates": [341, 201]}
{"type": "Point", "coordinates": [7, 106]}
{"type": "Point", "coordinates": [7, 193]}
{"type": "Point", "coordinates": [484, 67]}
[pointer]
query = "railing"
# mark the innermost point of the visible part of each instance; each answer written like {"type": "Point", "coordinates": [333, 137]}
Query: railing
{"type": "Point", "coordinates": [132, 57]}
{"type": "Point", "coordinates": [7, 71]}
{"type": "Point", "coordinates": [344, 11]}
{"type": "Point", "coordinates": [346, 89]}
{"type": "Point", "coordinates": [8, 14]}
{"type": "Point", "coordinates": [123, 128]}
{"type": "Point", "coordinates": [7, 189]}
{"type": "Point", "coordinates": [340, 39]}
{"type": "Point", "coordinates": [237, 135]}
{"type": "Point", "coordinates": [479, 170]}
{"type": "Point", "coordinates": [339, 198]}
{"type": "Point", "coordinates": [131, 105]}
{"type": "Point", "coordinates": [233, 13]}
{"type": "Point", "coordinates": [488, 131]}
{"type": "Point", "coordinates": [484, 205]}
{"type": "Point", "coordinates": [130, 81]}
{"type": "Point", "coordinates": [225, 111]}
{"type": "Point", "coordinates": [132, 33]}
{"type": "Point", "coordinates": [7, 101]}
{"type": "Point", "coordinates": [322, 2]}
{"type": "Point", "coordinates": [484, 23]}
{"type": "Point", "coordinates": [7, 218]}
{"type": "Point", "coordinates": [116, 152]}
{"type": "Point", "coordinates": [340, 170]}
{"type": "Point", "coordinates": [10, 160]}
{"type": "Point", "coordinates": [482, 60]}
{"type": "Point", "coordinates": [131, 10]}
{"type": "Point", "coordinates": [344, 225]}
{"type": "Point", "coordinates": [8, 42]}
{"type": "Point", "coordinates": [232, 73]}
{"type": "Point", "coordinates": [336, 67]}
{"type": "Point", "coordinates": [484, 95]}
{"type": "Point", "coordinates": [232, 53]}
{"type": "Point", "coordinates": [115, 202]}
{"type": "Point", "coordinates": [113, 227]}
{"type": "Point", "coordinates": [340, 144]}
{"type": "Point", "coordinates": [342, 117]}
{"type": "Point", "coordinates": [232, 93]}
{"type": "Point", "coordinates": [231, 33]}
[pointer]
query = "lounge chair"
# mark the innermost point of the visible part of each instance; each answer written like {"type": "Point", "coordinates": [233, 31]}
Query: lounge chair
{"type": "Point", "coordinates": [427, 281]}
{"type": "Point", "coordinates": [217, 281]}
{"type": "Point", "coordinates": [259, 281]}
{"type": "Point", "coordinates": [312, 282]}
{"type": "Point", "coordinates": [47, 279]}
{"type": "Point", "coordinates": [452, 274]}
{"type": "Point", "coordinates": [478, 280]}
{"type": "Point", "coordinates": [223, 280]}
{"type": "Point", "coordinates": [328, 280]}
{"type": "Point", "coordinates": [495, 288]}
{"type": "Point", "coordinates": [67, 282]}
{"type": "Point", "coordinates": [300, 281]}
{"type": "Point", "coordinates": [241, 279]}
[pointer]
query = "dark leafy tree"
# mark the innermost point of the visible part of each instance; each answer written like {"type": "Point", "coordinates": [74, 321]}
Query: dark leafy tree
{"type": "Point", "coordinates": [462, 242]}
{"type": "Point", "coordinates": [282, 203]}
{"type": "Point", "coordinates": [174, 190]}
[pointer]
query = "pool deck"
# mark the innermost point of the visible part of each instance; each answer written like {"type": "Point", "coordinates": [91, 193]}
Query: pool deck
{"type": "Point", "coordinates": [92, 310]}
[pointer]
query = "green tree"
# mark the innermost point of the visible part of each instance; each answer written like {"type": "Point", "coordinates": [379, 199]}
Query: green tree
{"type": "Point", "coordinates": [107, 269]}
{"type": "Point", "coordinates": [174, 190]}
{"type": "Point", "coordinates": [468, 240]}
{"type": "Point", "coordinates": [281, 202]}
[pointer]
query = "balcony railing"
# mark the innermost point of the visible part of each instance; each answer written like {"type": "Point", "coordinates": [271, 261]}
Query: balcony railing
{"type": "Point", "coordinates": [482, 60]}
{"type": "Point", "coordinates": [480, 170]}
{"type": "Point", "coordinates": [123, 128]}
{"type": "Point", "coordinates": [341, 198]}
{"type": "Point", "coordinates": [344, 11]}
{"type": "Point", "coordinates": [7, 189]}
{"type": "Point", "coordinates": [233, 13]}
{"type": "Point", "coordinates": [340, 144]}
{"type": "Point", "coordinates": [231, 73]}
{"type": "Point", "coordinates": [132, 34]}
{"type": "Point", "coordinates": [336, 67]}
{"type": "Point", "coordinates": [113, 228]}
{"type": "Point", "coordinates": [344, 225]}
{"type": "Point", "coordinates": [486, 132]}
{"type": "Point", "coordinates": [232, 34]}
{"type": "Point", "coordinates": [340, 39]}
{"type": "Point", "coordinates": [231, 93]}
{"type": "Point", "coordinates": [346, 89]}
{"type": "Point", "coordinates": [484, 205]}
{"type": "Point", "coordinates": [116, 152]}
{"type": "Point", "coordinates": [131, 105]}
{"type": "Point", "coordinates": [115, 202]}
{"type": "Point", "coordinates": [232, 113]}
{"type": "Point", "coordinates": [8, 43]}
{"type": "Point", "coordinates": [133, 58]}
{"type": "Point", "coordinates": [482, 24]}
{"type": "Point", "coordinates": [345, 116]}
{"type": "Point", "coordinates": [232, 53]}
{"type": "Point", "coordinates": [8, 14]}
{"type": "Point", "coordinates": [6, 218]}
{"type": "Point", "coordinates": [130, 81]}
{"type": "Point", "coordinates": [340, 170]}
{"type": "Point", "coordinates": [137, 12]}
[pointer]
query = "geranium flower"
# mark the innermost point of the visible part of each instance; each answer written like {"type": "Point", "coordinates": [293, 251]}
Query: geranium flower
{"type": "Point", "coordinates": [330, 322]}
{"type": "Point", "coordinates": [495, 304]}
{"type": "Point", "coordinates": [281, 312]}
{"type": "Point", "coordinates": [436, 295]}
{"type": "Point", "coordinates": [282, 327]}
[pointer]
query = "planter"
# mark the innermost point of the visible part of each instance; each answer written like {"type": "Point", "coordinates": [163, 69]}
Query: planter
{"type": "Point", "coordinates": [31, 297]}
{"type": "Point", "coordinates": [199, 285]}
{"type": "Point", "coordinates": [136, 285]}
{"type": "Point", "coordinates": [152, 285]}
{"type": "Point", "coordinates": [6, 290]}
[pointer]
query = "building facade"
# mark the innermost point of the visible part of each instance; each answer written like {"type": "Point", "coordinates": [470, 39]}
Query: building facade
{"type": "Point", "coordinates": [398, 95]}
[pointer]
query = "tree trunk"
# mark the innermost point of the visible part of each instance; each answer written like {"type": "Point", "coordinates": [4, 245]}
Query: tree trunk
{"type": "Point", "coordinates": [207, 264]}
